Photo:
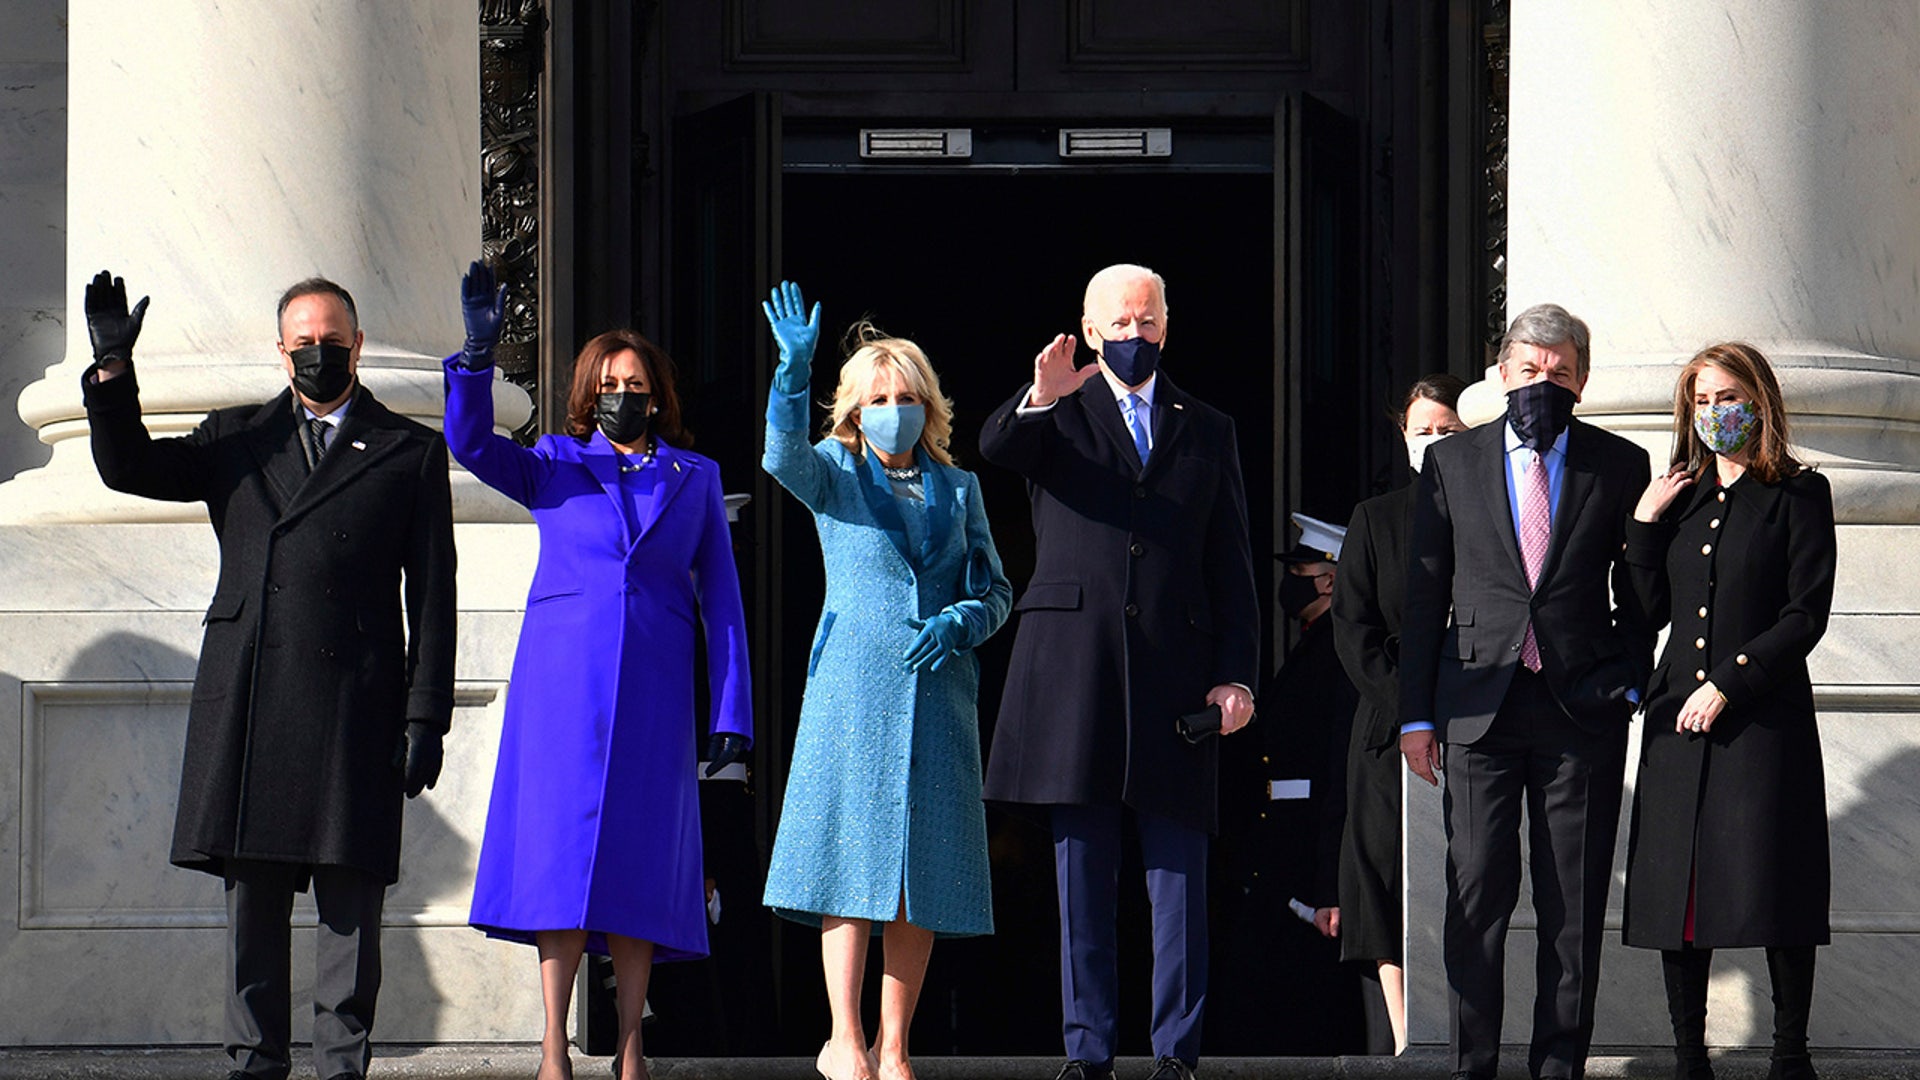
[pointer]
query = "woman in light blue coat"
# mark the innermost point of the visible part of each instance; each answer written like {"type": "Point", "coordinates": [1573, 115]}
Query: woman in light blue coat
{"type": "Point", "coordinates": [883, 822]}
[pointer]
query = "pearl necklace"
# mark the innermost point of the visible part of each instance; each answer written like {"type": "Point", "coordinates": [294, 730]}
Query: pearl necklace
{"type": "Point", "coordinates": [911, 472]}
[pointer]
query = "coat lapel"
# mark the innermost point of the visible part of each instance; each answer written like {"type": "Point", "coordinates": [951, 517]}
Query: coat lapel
{"type": "Point", "coordinates": [603, 461]}
{"type": "Point", "coordinates": [878, 495]}
{"type": "Point", "coordinates": [275, 444]}
{"type": "Point", "coordinates": [938, 490]}
{"type": "Point", "coordinates": [1169, 422]}
{"type": "Point", "coordinates": [1103, 412]}
{"type": "Point", "coordinates": [674, 471]}
{"type": "Point", "coordinates": [365, 436]}
{"type": "Point", "coordinates": [1576, 483]}
{"type": "Point", "coordinates": [1493, 464]}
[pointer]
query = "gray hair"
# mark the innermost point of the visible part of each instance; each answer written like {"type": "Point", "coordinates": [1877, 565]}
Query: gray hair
{"type": "Point", "coordinates": [1121, 274]}
{"type": "Point", "coordinates": [1549, 325]}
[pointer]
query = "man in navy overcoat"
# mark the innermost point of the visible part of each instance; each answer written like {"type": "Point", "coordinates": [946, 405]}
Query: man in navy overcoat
{"type": "Point", "coordinates": [1141, 610]}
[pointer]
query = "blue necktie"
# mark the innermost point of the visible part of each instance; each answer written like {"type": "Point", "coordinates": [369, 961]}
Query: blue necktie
{"type": "Point", "coordinates": [1133, 403]}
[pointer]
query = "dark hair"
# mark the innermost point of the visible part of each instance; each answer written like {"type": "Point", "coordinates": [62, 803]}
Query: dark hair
{"type": "Point", "coordinates": [314, 286]}
{"type": "Point", "coordinates": [593, 357]}
{"type": "Point", "coordinates": [1440, 388]}
{"type": "Point", "coordinates": [1772, 457]}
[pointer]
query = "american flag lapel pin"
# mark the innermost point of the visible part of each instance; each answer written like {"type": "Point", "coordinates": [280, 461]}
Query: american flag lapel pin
{"type": "Point", "coordinates": [358, 445]}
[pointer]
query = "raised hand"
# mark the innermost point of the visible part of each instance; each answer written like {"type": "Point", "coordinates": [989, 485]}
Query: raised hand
{"type": "Point", "coordinates": [1054, 376]}
{"type": "Point", "coordinates": [483, 304]}
{"type": "Point", "coordinates": [939, 638]}
{"type": "Point", "coordinates": [111, 327]}
{"type": "Point", "coordinates": [796, 332]}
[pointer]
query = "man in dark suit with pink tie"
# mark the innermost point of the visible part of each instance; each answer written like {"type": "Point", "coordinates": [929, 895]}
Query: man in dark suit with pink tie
{"type": "Point", "coordinates": [1523, 696]}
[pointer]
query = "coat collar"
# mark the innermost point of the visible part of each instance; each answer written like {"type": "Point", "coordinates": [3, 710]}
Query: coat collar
{"type": "Point", "coordinates": [1170, 408]}
{"type": "Point", "coordinates": [937, 489]}
{"type": "Point", "coordinates": [1576, 486]}
{"type": "Point", "coordinates": [370, 432]}
{"type": "Point", "coordinates": [603, 461]}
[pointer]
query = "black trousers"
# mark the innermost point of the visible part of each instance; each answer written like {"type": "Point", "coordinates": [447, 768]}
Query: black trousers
{"type": "Point", "coordinates": [346, 977]}
{"type": "Point", "coordinates": [1569, 781]}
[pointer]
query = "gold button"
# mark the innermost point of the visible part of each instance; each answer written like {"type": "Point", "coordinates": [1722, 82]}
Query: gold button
{"type": "Point", "coordinates": [1699, 676]}
{"type": "Point", "coordinates": [1699, 643]}
{"type": "Point", "coordinates": [1263, 759]}
{"type": "Point", "coordinates": [1703, 611]}
{"type": "Point", "coordinates": [1706, 549]}
{"type": "Point", "coordinates": [1741, 659]}
{"type": "Point", "coordinates": [1714, 524]}
{"type": "Point", "coordinates": [1263, 815]}
{"type": "Point", "coordinates": [1722, 496]}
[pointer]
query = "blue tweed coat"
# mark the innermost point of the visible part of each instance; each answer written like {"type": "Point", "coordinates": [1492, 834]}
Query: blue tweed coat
{"type": "Point", "coordinates": [883, 794]}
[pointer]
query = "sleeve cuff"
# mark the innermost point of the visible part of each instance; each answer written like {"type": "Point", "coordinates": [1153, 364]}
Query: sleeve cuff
{"type": "Point", "coordinates": [787, 412]}
{"type": "Point", "coordinates": [1025, 409]}
{"type": "Point", "coordinates": [1417, 725]}
{"type": "Point", "coordinates": [1647, 543]}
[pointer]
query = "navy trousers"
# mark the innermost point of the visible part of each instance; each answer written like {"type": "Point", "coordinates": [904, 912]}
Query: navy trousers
{"type": "Point", "coordinates": [1086, 859]}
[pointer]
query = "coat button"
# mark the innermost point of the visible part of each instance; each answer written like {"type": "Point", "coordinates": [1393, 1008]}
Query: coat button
{"type": "Point", "coordinates": [1699, 676]}
{"type": "Point", "coordinates": [1703, 611]}
{"type": "Point", "coordinates": [274, 587]}
{"type": "Point", "coordinates": [1699, 643]}
{"type": "Point", "coordinates": [1516, 646]}
{"type": "Point", "coordinates": [1706, 549]}
{"type": "Point", "coordinates": [1722, 496]}
{"type": "Point", "coordinates": [1139, 491]}
{"type": "Point", "coordinates": [1138, 549]}
{"type": "Point", "coordinates": [1741, 659]}
{"type": "Point", "coordinates": [1133, 610]}
{"type": "Point", "coordinates": [1714, 524]}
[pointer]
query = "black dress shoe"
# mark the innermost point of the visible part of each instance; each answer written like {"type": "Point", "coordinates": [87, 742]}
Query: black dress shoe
{"type": "Point", "coordinates": [1079, 1069]}
{"type": "Point", "coordinates": [1171, 1068]}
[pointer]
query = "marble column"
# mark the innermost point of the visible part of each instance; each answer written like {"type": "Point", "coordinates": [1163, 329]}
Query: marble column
{"type": "Point", "coordinates": [219, 152]}
{"type": "Point", "coordinates": [1683, 174]}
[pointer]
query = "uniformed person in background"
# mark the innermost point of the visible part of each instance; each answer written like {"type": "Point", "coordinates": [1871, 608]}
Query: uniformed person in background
{"type": "Point", "coordinates": [1283, 806]}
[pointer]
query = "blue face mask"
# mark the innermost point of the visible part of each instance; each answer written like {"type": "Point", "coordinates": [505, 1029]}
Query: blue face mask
{"type": "Point", "coordinates": [893, 429]}
{"type": "Point", "coordinates": [1132, 360]}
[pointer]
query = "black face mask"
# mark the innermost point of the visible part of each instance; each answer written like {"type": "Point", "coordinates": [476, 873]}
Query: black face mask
{"type": "Point", "coordinates": [622, 417]}
{"type": "Point", "coordinates": [1539, 413]}
{"type": "Point", "coordinates": [1297, 591]}
{"type": "Point", "coordinates": [1132, 360]}
{"type": "Point", "coordinates": [322, 372]}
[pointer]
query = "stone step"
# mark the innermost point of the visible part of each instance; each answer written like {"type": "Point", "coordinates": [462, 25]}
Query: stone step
{"type": "Point", "coordinates": [517, 1062]}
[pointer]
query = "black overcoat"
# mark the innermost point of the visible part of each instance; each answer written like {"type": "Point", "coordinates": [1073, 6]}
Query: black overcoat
{"type": "Point", "coordinates": [1369, 598]}
{"type": "Point", "coordinates": [1142, 600]}
{"type": "Point", "coordinates": [309, 670]}
{"type": "Point", "coordinates": [1745, 574]}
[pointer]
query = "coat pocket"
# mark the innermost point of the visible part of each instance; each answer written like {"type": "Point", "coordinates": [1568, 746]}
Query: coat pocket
{"type": "Point", "coordinates": [1050, 596]}
{"type": "Point", "coordinates": [820, 642]}
{"type": "Point", "coordinates": [224, 607]}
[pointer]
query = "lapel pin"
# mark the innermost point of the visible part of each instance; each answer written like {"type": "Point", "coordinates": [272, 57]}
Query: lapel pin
{"type": "Point", "coordinates": [676, 466]}
{"type": "Point", "coordinates": [1179, 406]}
{"type": "Point", "coordinates": [358, 445]}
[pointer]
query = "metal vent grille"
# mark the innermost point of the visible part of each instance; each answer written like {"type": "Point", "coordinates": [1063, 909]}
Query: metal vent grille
{"type": "Point", "coordinates": [916, 142]}
{"type": "Point", "coordinates": [1116, 142]}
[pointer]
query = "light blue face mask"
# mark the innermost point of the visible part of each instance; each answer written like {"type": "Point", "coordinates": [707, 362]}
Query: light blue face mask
{"type": "Point", "coordinates": [893, 429]}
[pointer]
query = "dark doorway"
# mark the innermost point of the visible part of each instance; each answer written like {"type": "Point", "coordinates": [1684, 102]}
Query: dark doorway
{"type": "Point", "coordinates": [982, 270]}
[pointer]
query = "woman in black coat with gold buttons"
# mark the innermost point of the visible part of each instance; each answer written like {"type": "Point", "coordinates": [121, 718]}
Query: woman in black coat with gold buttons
{"type": "Point", "coordinates": [1728, 848]}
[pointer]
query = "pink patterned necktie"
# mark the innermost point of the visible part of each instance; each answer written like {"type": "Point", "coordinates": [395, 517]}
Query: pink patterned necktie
{"type": "Point", "coordinates": [1536, 529]}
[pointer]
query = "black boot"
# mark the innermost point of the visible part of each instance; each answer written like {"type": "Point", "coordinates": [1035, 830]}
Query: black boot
{"type": "Point", "coordinates": [1792, 973]}
{"type": "Point", "coordinates": [1686, 975]}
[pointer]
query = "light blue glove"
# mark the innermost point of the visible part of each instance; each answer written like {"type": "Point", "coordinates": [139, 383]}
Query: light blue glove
{"type": "Point", "coordinates": [940, 637]}
{"type": "Point", "coordinates": [796, 335]}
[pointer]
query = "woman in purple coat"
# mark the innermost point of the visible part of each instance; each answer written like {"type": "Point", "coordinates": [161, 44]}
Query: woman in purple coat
{"type": "Point", "coordinates": [593, 834]}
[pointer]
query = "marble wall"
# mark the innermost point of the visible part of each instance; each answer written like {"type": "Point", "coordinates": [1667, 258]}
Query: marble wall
{"type": "Point", "coordinates": [1684, 174]}
{"type": "Point", "coordinates": [33, 210]}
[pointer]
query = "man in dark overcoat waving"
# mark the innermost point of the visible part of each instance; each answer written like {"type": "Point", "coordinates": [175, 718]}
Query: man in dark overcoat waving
{"type": "Point", "coordinates": [1141, 610]}
{"type": "Point", "coordinates": [320, 700]}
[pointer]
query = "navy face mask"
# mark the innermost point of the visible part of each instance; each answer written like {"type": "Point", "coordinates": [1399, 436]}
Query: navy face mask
{"type": "Point", "coordinates": [1539, 412]}
{"type": "Point", "coordinates": [623, 417]}
{"type": "Point", "coordinates": [1132, 360]}
{"type": "Point", "coordinates": [321, 372]}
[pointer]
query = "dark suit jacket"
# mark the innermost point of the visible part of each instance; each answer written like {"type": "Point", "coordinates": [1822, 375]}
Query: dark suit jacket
{"type": "Point", "coordinates": [1462, 552]}
{"type": "Point", "coordinates": [1142, 600]}
{"type": "Point", "coordinates": [1369, 602]}
{"type": "Point", "coordinates": [308, 671]}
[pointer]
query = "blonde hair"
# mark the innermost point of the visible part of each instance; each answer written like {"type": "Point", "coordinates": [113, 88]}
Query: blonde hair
{"type": "Point", "coordinates": [873, 350]}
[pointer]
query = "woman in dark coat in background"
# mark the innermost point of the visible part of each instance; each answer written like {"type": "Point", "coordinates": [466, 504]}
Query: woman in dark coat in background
{"type": "Point", "coordinates": [1367, 599]}
{"type": "Point", "coordinates": [1728, 846]}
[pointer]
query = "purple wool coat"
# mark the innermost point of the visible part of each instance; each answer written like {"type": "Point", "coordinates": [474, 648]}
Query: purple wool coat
{"type": "Point", "coordinates": [595, 820]}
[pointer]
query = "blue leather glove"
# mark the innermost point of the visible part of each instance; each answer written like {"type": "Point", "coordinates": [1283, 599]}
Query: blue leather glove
{"type": "Point", "coordinates": [723, 749]}
{"type": "Point", "coordinates": [940, 637]}
{"type": "Point", "coordinates": [483, 304]}
{"type": "Point", "coordinates": [796, 334]}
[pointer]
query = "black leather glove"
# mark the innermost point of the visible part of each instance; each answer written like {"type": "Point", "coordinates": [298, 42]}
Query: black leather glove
{"type": "Point", "coordinates": [723, 749]}
{"type": "Point", "coordinates": [424, 756]}
{"type": "Point", "coordinates": [483, 306]}
{"type": "Point", "coordinates": [109, 324]}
